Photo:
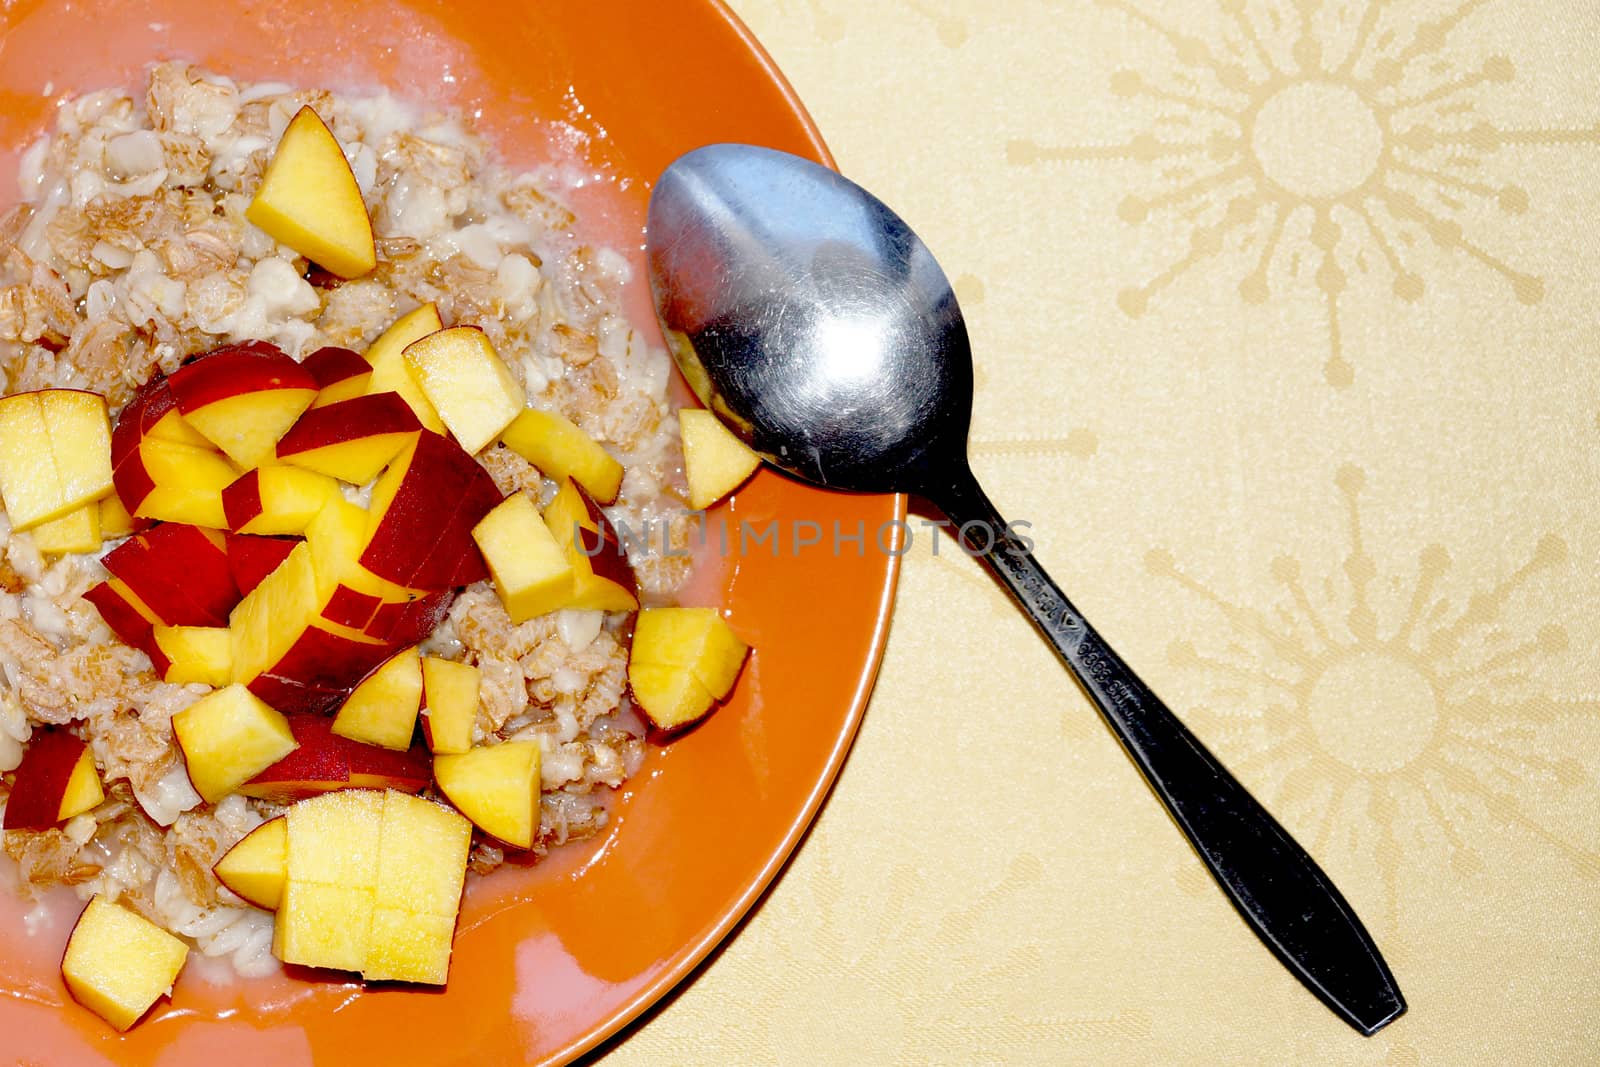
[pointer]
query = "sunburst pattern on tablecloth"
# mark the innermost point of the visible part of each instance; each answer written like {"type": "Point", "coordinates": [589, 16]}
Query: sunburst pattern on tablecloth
{"type": "Point", "coordinates": [1378, 727]}
{"type": "Point", "coordinates": [1310, 137]}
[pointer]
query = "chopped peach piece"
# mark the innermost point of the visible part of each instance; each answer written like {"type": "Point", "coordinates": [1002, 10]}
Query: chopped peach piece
{"type": "Point", "coordinates": [118, 964]}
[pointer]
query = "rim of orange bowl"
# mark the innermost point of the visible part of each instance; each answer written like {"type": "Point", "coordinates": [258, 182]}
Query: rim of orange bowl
{"type": "Point", "coordinates": [719, 931]}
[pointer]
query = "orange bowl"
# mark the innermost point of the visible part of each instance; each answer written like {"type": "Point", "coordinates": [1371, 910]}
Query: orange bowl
{"type": "Point", "coordinates": [552, 959]}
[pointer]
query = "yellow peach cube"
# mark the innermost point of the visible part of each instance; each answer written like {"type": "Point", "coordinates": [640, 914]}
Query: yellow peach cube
{"type": "Point", "coordinates": [406, 947]}
{"type": "Point", "coordinates": [382, 710]}
{"type": "Point", "coordinates": [467, 383]}
{"type": "Point", "coordinates": [497, 787]}
{"type": "Point", "coordinates": [450, 692]}
{"type": "Point", "coordinates": [715, 462]}
{"type": "Point", "coordinates": [560, 449]}
{"type": "Point", "coordinates": [530, 568]}
{"type": "Point", "coordinates": [334, 839]}
{"type": "Point", "coordinates": [76, 531]}
{"type": "Point", "coordinates": [423, 860]}
{"type": "Point", "coordinates": [228, 737]}
{"type": "Point", "coordinates": [118, 964]}
{"type": "Point", "coordinates": [322, 925]}
{"type": "Point", "coordinates": [697, 639]}
{"type": "Point", "coordinates": [667, 695]}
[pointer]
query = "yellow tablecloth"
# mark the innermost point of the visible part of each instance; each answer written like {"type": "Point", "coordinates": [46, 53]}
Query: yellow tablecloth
{"type": "Point", "coordinates": [1284, 319]}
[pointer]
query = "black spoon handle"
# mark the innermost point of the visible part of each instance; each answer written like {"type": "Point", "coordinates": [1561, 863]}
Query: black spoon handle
{"type": "Point", "coordinates": [1279, 890]}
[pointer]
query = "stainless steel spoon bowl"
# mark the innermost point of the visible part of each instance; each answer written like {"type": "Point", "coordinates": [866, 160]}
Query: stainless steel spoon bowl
{"type": "Point", "coordinates": [815, 322]}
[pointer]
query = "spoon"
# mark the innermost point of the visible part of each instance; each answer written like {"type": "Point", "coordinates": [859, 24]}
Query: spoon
{"type": "Point", "coordinates": [818, 326]}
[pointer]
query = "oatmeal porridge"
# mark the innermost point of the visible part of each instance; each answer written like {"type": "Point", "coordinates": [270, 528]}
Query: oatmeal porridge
{"type": "Point", "coordinates": [136, 249]}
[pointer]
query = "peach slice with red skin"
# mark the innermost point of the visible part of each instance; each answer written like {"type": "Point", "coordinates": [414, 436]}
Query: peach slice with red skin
{"type": "Point", "coordinates": [372, 767]}
{"type": "Point", "coordinates": [603, 579]}
{"type": "Point", "coordinates": [259, 365]}
{"type": "Point", "coordinates": [180, 572]}
{"type": "Point", "coordinates": [139, 417]}
{"type": "Point", "coordinates": [55, 781]}
{"type": "Point", "coordinates": [287, 651]}
{"type": "Point", "coordinates": [181, 483]}
{"type": "Point", "coordinates": [151, 403]}
{"type": "Point", "coordinates": [324, 761]}
{"type": "Point", "coordinates": [456, 560]}
{"type": "Point", "coordinates": [251, 558]}
{"type": "Point", "coordinates": [296, 642]}
{"type": "Point", "coordinates": [285, 654]}
{"type": "Point", "coordinates": [256, 866]}
{"type": "Point", "coordinates": [319, 764]}
{"type": "Point", "coordinates": [319, 670]}
{"type": "Point", "coordinates": [352, 596]}
{"type": "Point", "coordinates": [352, 608]}
{"type": "Point", "coordinates": [340, 374]}
{"type": "Point", "coordinates": [242, 398]}
{"type": "Point", "coordinates": [382, 710]}
{"type": "Point", "coordinates": [389, 371]}
{"type": "Point", "coordinates": [276, 500]}
{"type": "Point", "coordinates": [148, 405]}
{"type": "Point", "coordinates": [161, 467]}
{"type": "Point", "coordinates": [432, 495]}
{"type": "Point", "coordinates": [497, 787]}
{"type": "Point", "coordinates": [129, 618]}
{"type": "Point", "coordinates": [177, 465]}
{"type": "Point", "coordinates": [330, 365]}
{"type": "Point", "coordinates": [409, 622]}
{"type": "Point", "coordinates": [352, 440]}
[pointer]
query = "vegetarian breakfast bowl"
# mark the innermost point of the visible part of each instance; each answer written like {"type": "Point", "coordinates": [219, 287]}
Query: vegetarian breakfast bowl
{"type": "Point", "coordinates": [627, 894]}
